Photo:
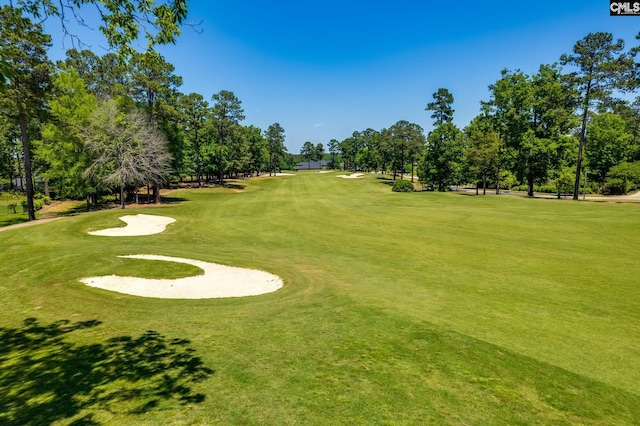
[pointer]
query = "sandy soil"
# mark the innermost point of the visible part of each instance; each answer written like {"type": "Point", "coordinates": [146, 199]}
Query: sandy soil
{"type": "Point", "coordinates": [137, 225]}
{"type": "Point", "coordinates": [351, 176]}
{"type": "Point", "coordinates": [217, 281]}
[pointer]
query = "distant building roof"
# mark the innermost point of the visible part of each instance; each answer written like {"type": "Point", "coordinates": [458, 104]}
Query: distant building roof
{"type": "Point", "coordinates": [311, 165]}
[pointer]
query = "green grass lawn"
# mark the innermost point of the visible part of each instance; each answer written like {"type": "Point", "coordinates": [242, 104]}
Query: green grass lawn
{"type": "Point", "coordinates": [7, 216]}
{"type": "Point", "coordinates": [398, 308]}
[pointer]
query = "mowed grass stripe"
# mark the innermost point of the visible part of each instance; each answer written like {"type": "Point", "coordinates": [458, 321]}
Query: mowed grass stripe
{"type": "Point", "coordinates": [405, 308]}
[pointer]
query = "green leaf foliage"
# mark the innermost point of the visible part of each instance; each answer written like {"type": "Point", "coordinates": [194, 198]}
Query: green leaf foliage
{"type": "Point", "coordinates": [123, 21]}
{"type": "Point", "coordinates": [607, 144]}
{"type": "Point", "coordinates": [402, 185]}
{"type": "Point", "coordinates": [623, 178]}
{"type": "Point", "coordinates": [62, 146]}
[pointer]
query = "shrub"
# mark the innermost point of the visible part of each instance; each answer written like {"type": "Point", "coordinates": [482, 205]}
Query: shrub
{"type": "Point", "coordinates": [402, 186]}
{"type": "Point", "coordinates": [507, 180]}
{"type": "Point", "coordinates": [45, 198]}
{"type": "Point", "coordinates": [37, 205]}
{"type": "Point", "coordinates": [565, 181]}
{"type": "Point", "coordinates": [616, 186]}
{"type": "Point", "coordinates": [12, 207]}
{"type": "Point", "coordinates": [623, 178]}
{"type": "Point", "coordinates": [549, 189]}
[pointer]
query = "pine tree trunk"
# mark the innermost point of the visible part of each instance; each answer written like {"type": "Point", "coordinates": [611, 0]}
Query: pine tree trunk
{"type": "Point", "coordinates": [583, 132]}
{"type": "Point", "coordinates": [27, 163]}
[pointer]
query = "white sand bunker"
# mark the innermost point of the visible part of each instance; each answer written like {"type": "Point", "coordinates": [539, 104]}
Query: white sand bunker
{"type": "Point", "coordinates": [351, 176]}
{"type": "Point", "coordinates": [217, 281]}
{"type": "Point", "coordinates": [325, 171]}
{"type": "Point", "coordinates": [284, 174]}
{"type": "Point", "coordinates": [137, 225]}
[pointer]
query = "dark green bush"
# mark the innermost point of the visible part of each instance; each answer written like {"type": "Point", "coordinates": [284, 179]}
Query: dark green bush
{"type": "Point", "coordinates": [623, 178]}
{"type": "Point", "coordinates": [549, 189]}
{"type": "Point", "coordinates": [616, 186]}
{"type": "Point", "coordinates": [402, 186]}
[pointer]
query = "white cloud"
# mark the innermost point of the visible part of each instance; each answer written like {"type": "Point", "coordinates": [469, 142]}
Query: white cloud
{"type": "Point", "coordinates": [318, 125]}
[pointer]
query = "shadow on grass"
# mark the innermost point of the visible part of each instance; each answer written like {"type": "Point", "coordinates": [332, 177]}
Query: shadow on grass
{"type": "Point", "coordinates": [45, 378]}
{"type": "Point", "coordinates": [167, 199]}
{"type": "Point", "coordinates": [13, 220]}
{"type": "Point", "coordinates": [80, 208]}
{"type": "Point", "coordinates": [234, 186]}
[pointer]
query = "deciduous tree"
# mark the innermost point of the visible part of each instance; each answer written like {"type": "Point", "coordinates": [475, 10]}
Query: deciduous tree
{"type": "Point", "coordinates": [123, 21]}
{"type": "Point", "coordinates": [407, 141]}
{"type": "Point", "coordinates": [62, 145]}
{"type": "Point", "coordinates": [442, 162]}
{"type": "Point", "coordinates": [194, 115]}
{"type": "Point", "coordinates": [258, 154]}
{"type": "Point", "coordinates": [607, 144]}
{"type": "Point", "coordinates": [126, 149]}
{"type": "Point", "coordinates": [482, 154]}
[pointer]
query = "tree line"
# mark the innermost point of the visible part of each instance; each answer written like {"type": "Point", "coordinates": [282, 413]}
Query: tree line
{"type": "Point", "coordinates": [562, 129]}
{"type": "Point", "coordinates": [91, 125]}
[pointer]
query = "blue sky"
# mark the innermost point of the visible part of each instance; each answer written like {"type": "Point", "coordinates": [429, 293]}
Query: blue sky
{"type": "Point", "coordinates": [326, 69]}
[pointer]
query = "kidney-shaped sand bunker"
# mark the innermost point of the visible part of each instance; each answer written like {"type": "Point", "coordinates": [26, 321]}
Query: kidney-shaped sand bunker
{"type": "Point", "coordinates": [216, 281]}
{"type": "Point", "coordinates": [137, 225]}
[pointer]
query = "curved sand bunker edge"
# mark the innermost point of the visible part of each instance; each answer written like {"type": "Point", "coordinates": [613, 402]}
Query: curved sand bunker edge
{"type": "Point", "coordinates": [137, 225]}
{"type": "Point", "coordinates": [351, 176]}
{"type": "Point", "coordinates": [217, 281]}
